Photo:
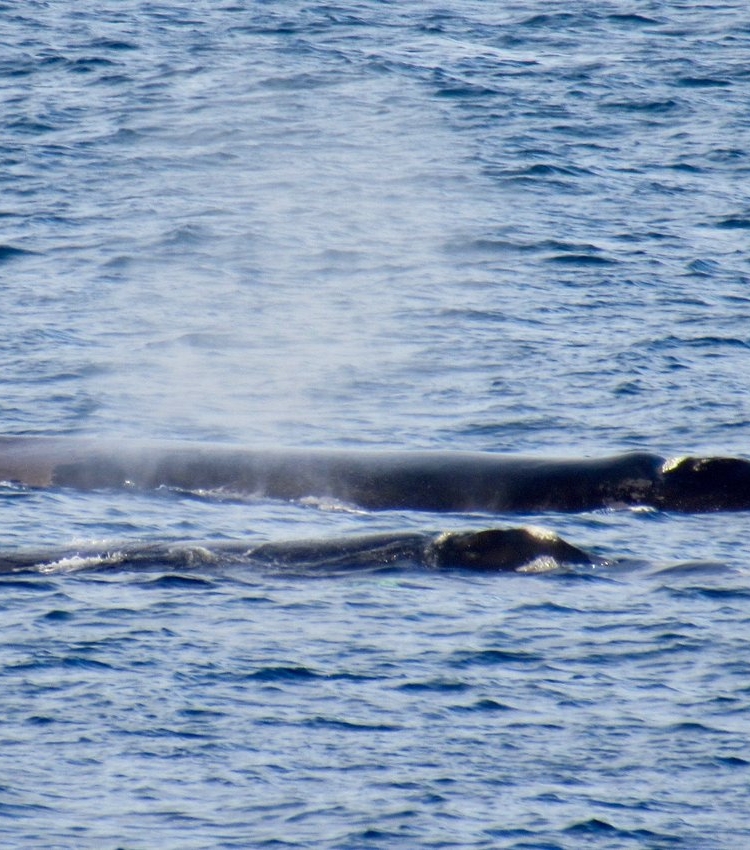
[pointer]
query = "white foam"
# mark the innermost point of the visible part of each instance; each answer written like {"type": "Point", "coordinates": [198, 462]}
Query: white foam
{"type": "Point", "coordinates": [75, 563]}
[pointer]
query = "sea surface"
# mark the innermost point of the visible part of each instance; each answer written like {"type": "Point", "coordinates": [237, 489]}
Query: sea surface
{"type": "Point", "coordinates": [517, 227]}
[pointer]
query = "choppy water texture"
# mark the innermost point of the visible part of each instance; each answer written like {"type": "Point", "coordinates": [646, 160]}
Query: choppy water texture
{"type": "Point", "coordinates": [516, 227]}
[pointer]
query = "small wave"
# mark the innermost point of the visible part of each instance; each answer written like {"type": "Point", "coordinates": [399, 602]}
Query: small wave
{"type": "Point", "coordinates": [702, 267]}
{"type": "Point", "coordinates": [494, 657]}
{"type": "Point", "coordinates": [434, 685]}
{"type": "Point", "coordinates": [654, 107]}
{"type": "Point", "coordinates": [11, 252]}
{"type": "Point", "coordinates": [350, 725]}
{"type": "Point", "coordinates": [598, 829]}
{"type": "Point", "coordinates": [632, 19]}
{"type": "Point", "coordinates": [734, 222]}
{"type": "Point", "coordinates": [740, 595]}
{"type": "Point", "coordinates": [283, 674]}
{"type": "Point", "coordinates": [703, 82]}
{"type": "Point", "coordinates": [551, 20]}
{"type": "Point", "coordinates": [485, 705]}
{"type": "Point", "coordinates": [174, 580]}
{"type": "Point", "coordinates": [582, 260]}
{"type": "Point", "coordinates": [732, 761]}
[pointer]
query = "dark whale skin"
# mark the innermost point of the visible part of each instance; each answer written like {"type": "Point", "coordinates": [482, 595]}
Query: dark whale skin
{"type": "Point", "coordinates": [442, 481]}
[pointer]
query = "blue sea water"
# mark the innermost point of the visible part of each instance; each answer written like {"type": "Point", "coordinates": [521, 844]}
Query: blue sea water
{"type": "Point", "coordinates": [517, 227]}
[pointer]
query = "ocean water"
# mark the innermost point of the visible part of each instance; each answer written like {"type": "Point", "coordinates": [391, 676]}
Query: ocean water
{"type": "Point", "coordinates": [515, 227]}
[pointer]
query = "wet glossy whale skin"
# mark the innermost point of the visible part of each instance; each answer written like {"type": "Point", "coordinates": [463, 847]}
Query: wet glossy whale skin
{"type": "Point", "coordinates": [429, 480]}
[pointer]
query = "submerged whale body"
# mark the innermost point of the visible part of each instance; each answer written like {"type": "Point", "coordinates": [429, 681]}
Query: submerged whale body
{"type": "Point", "coordinates": [386, 480]}
{"type": "Point", "coordinates": [494, 549]}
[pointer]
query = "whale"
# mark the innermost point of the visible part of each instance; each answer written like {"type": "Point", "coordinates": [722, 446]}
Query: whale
{"type": "Point", "coordinates": [515, 549]}
{"type": "Point", "coordinates": [434, 481]}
